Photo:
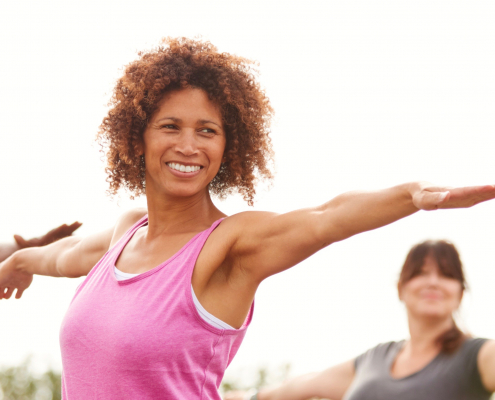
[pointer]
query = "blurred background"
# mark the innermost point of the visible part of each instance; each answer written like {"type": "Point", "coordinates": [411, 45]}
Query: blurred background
{"type": "Point", "coordinates": [366, 94]}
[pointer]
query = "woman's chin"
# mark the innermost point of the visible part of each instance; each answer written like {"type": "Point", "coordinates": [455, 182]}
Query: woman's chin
{"type": "Point", "coordinates": [433, 313]}
{"type": "Point", "coordinates": [185, 191]}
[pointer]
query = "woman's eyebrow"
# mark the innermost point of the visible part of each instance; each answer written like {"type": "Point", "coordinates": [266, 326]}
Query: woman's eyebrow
{"type": "Point", "coordinates": [205, 121]}
{"type": "Point", "coordinates": [172, 118]}
{"type": "Point", "coordinates": [201, 121]}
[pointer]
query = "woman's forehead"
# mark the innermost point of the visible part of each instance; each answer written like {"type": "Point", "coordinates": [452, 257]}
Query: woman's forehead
{"type": "Point", "coordinates": [187, 102]}
{"type": "Point", "coordinates": [430, 262]}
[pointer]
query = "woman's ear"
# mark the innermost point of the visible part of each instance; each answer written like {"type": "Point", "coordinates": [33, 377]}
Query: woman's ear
{"type": "Point", "coordinates": [399, 290]}
{"type": "Point", "coordinates": [139, 148]}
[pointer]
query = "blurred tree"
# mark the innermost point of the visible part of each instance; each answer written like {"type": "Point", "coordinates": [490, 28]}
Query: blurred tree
{"type": "Point", "coordinates": [19, 383]}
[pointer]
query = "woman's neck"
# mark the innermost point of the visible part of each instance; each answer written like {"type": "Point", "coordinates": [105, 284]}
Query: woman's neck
{"type": "Point", "coordinates": [425, 332]}
{"type": "Point", "coordinates": [180, 214]}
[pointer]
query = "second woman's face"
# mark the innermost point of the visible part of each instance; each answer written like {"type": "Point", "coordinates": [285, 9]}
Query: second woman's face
{"type": "Point", "coordinates": [184, 144]}
{"type": "Point", "coordinates": [431, 294]}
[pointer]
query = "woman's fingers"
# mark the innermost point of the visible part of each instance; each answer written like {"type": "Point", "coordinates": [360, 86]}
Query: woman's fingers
{"type": "Point", "coordinates": [75, 225]}
{"type": "Point", "coordinates": [22, 243]}
{"type": "Point", "coordinates": [469, 196]}
{"type": "Point", "coordinates": [59, 233]}
{"type": "Point", "coordinates": [49, 237]}
{"type": "Point", "coordinates": [432, 198]}
{"type": "Point", "coordinates": [429, 199]}
{"type": "Point", "coordinates": [8, 293]}
{"type": "Point", "coordinates": [4, 292]}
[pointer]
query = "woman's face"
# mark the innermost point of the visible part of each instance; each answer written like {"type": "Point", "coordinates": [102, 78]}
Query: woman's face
{"type": "Point", "coordinates": [184, 144]}
{"type": "Point", "coordinates": [431, 294]}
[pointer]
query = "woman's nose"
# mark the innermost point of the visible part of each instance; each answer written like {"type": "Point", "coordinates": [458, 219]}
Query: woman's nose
{"type": "Point", "coordinates": [433, 278]}
{"type": "Point", "coordinates": [186, 144]}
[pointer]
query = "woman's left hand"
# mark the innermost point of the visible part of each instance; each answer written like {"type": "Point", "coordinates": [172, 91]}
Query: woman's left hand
{"type": "Point", "coordinates": [428, 197]}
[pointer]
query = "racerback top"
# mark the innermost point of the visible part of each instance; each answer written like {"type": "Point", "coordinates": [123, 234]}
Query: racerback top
{"type": "Point", "coordinates": [447, 377]}
{"type": "Point", "coordinates": [142, 338]}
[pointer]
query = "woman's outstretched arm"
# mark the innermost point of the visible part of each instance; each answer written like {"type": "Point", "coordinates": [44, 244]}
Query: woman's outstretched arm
{"type": "Point", "coordinates": [329, 384]}
{"type": "Point", "coordinates": [7, 249]}
{"type": "Point", "coordinates": [71, 257]}
{"type": "Point", "coordinates": [268, 243]}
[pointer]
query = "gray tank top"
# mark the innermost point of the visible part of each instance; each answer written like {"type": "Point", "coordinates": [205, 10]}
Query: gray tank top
{"type": "Point", "coordinates": [446, 377]}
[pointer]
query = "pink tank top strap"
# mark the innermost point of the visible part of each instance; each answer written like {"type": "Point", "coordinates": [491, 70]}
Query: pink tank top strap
{"type": "Point", "coordinates": [195, 245]}
{"type": "Point", "coordinates": [117, 247]}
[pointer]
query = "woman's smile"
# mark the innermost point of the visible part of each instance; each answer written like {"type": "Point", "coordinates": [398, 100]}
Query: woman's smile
{"type": "Point", "coordinates": [430, 295]}
{"type": "Point", "coordinates": [183, 167]}
{"type": "Point", "coordinates": [184, 170]}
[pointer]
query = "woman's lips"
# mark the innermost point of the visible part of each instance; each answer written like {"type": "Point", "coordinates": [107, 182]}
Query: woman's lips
{"type": "Point", "coordinates": [183, 170]}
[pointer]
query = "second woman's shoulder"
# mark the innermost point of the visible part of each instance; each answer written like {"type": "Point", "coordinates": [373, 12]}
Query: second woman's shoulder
{"type": "Point", "coordinates": [387, 347]}
{"type": "Point", "coordinates": [380, 352]}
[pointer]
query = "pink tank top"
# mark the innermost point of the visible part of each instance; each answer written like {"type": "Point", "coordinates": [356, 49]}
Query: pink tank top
{"type": "Point", "coordinates": [142, 338]}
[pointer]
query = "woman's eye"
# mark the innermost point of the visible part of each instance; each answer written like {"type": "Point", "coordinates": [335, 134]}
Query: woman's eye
{"type": "Point", "coordinates": [208, 131]}
{"type": "Point", "coordinates": [169, 126]}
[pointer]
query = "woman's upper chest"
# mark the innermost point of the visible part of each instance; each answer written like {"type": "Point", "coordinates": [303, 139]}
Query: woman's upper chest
{"type": "Point", "coordinates": [406, 364]}
{"type": "Point", "coordinates": [141, 254]}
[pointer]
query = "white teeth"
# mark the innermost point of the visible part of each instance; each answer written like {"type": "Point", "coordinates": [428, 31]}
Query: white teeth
{"type": "Point", "coordinates": [184, 168]}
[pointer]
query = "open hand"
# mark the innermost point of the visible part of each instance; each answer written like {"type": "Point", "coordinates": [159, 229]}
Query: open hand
{"type": "Point", "coordinates": [427, 197]}
{"type": "Point", "coordinates": [12, 278]}
{"type": "Point", "coordinates": [50, 237]}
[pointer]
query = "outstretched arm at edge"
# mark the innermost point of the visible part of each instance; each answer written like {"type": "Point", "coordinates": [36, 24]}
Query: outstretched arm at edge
{"type": "Point", "coordinates": [268, 243]}
{"type": "Point", "coordinates": [331, 383]}
{"type": "Point", "coordinates": [71, 257]}
{"type": "Point", "coordinates": [7, 249]}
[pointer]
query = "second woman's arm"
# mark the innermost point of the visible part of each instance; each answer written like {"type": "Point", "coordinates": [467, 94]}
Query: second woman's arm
{"type": "Point", "coordinates": [331, 383]}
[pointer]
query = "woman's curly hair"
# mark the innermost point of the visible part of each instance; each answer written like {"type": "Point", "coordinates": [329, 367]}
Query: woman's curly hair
{"type": "Point", "coordinates": [229, 82]}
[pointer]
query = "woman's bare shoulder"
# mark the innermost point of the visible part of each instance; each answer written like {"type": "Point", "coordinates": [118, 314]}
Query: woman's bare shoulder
{"type": "Point", "coordinates": [248, 217]}
{"type": "Point", "coordinates": [236, 225]}
{"type": "Point", "coordinates": [126, 221]}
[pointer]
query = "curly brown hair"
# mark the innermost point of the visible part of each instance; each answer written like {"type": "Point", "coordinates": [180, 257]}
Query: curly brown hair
{"type": "Point", "coordinates": [228, 80]}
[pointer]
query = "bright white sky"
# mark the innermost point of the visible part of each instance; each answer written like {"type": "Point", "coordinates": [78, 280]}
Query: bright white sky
{"type": "Point", "coordinates": [366, 94]}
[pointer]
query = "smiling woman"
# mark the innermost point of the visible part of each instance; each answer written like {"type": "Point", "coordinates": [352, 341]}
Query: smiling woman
{"type": "Point", "coordinates": [237, 104]}
{"type": "Point", "coordinates": [438, 362]}
{"type": "Point", "coordinates": [183, 144]}
{"type": "Point", "coordinates": [169, 290]}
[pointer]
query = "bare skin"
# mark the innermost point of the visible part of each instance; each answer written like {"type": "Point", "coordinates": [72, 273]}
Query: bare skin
{"type": "Point", "coordinates": [246, 248]}
{"type": "Point", "coordinates": [430, 299]}
{"type": "Point", "coordinates": [7, 249]}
